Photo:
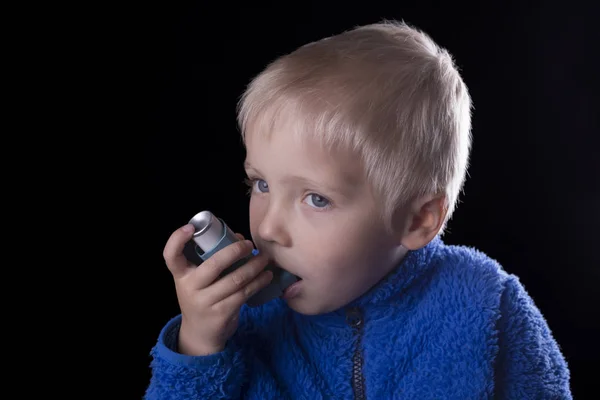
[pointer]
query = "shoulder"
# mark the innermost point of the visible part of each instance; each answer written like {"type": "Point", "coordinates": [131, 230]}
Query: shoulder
{"type": "Point", "coordinates": [471, 269]}
{"type": "Point", "coordinates": [529, 362]}
{"type": "Point", "coordinates": [473, 273]}
{"type": "Point", "coordinates": [469, 276]}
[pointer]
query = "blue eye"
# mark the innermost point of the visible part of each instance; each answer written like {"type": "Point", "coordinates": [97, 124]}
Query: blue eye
{"type": "Point", "coordinates": [262, 186]}
{"type": "Point", "coordinates": [256, 184]}
{"type": "Point", "coordinates": [318, 201]}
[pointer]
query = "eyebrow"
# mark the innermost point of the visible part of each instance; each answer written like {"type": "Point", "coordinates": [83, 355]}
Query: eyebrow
{"type": "Point", "coordinates": [299, 179]}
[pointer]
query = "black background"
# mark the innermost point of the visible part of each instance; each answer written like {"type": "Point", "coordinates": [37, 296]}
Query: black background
{"type": "Point", "coordinates": [532, 196]}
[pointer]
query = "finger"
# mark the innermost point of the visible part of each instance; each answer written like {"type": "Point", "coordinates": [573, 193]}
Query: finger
{"type": "Point", "coordinates": [176, 261]}
{"type": "Point", "coordinates": [210, 269]}
{"type": "Point", "coordinates": [240, 236]}
{"type": "Point", "coordinates": [236, 280]}
{"type": "Point", "coordinates": [236, 300]}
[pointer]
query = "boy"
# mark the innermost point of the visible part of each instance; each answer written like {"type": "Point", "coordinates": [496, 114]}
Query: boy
{"type": "Point", "coordinates": [357, 148]}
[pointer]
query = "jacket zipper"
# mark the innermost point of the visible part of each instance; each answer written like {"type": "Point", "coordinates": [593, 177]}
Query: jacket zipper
{"type": "Point", "coordinates": [355, 320]}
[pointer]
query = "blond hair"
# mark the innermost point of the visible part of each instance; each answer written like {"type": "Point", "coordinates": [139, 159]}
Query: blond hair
{"type": "Point", "coordinates": [386, 91]}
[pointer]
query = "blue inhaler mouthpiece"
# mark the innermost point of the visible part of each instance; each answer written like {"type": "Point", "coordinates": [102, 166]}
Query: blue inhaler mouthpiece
{"type": "Point", "coordinates": [212, 234]}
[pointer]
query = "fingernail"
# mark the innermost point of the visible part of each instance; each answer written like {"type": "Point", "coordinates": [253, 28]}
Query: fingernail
{"type": "Point", "coordinates": [249, 243]}
{"type": "Point", "coordinates": [189, 228]}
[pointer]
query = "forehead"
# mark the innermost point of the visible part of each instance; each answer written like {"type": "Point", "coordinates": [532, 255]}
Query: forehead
{"type": "Point", "coordinates": [284, 153]}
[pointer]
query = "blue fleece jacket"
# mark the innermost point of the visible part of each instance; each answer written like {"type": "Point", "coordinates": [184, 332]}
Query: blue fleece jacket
{"type": "Point", "coordinates": [448, 323]}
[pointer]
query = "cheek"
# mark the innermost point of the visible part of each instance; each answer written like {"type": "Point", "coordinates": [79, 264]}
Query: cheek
{"type": "Point", "coordinates": [340, 255]}
{"type": "Point", "coordinates": [351, 253]}
{"type": "Point", "coordinates": [256, 215]}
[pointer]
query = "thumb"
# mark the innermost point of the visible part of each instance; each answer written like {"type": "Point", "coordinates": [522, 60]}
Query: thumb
{"type": "Point", "coordinates": [176, 261]}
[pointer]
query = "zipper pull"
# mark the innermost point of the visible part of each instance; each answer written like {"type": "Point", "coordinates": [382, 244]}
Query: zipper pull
{"type": "Point", "coordinates": [354, 317]}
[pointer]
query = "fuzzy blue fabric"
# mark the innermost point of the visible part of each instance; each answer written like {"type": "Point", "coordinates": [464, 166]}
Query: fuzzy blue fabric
{"type": "Point", "coordinates": [448, 323]}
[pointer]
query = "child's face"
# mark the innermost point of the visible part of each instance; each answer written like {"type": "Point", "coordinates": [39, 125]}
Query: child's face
{"type": "Point", "coordinates": [314, 214]}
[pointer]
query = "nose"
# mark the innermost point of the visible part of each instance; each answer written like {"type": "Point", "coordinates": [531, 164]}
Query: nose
{"type": "Point", "coordinates": [274, 228]}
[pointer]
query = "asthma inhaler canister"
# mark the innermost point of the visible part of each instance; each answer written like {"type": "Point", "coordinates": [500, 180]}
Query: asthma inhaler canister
{"type": "Point", "coordinates": [212, 234]}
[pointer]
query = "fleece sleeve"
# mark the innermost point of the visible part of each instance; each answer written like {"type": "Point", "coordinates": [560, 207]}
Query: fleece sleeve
{"type": "Point", "coordinates": [180, 377]}
{"type": "Point", "coordinates": [530, 364]}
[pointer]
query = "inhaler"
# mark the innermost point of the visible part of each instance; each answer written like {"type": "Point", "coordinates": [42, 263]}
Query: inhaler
{"type": "Point", "coordinates": [212, 234]}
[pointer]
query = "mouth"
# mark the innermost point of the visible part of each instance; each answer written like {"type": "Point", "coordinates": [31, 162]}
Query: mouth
{"type": "Point", "coordinates": [277, 267]}
{"type": "Point", "coordinates": [286, 280]}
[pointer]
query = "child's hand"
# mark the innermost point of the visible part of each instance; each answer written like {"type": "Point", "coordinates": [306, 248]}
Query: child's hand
{"type": "Point", "coordinates": [210, 307]}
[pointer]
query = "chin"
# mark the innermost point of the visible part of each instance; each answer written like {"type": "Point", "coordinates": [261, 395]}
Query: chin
{"type": "Point", "coordinates": [304, 307]}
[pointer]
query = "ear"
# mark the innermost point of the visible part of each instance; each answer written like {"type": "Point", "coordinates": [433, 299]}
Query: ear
{"type": "Point", "coordinates": [423, 221]}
